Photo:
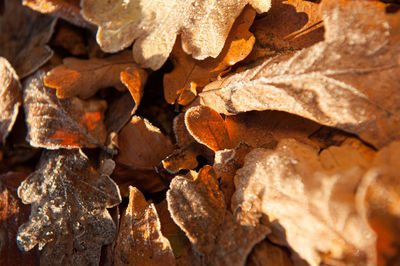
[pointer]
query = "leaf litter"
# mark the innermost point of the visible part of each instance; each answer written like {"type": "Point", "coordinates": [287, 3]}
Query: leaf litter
{"type": "Point", "coordinates": [283, 150]}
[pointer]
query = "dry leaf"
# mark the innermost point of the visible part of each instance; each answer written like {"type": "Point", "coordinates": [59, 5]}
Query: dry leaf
{"type": "Point", "coordinates": [333, 82]}
{"type": "Point", "coordinates": [66, 9]}
{"type": "Point", "coordinates": [140, 240]}
{"type": "Point", "coordinates": [288, 26]}
{"type": "Point", "coordinates": [207, 127]}
{"type": "Point", "coordinates": [84, 78]}
{"type": "Point", "coordinates": [68, 197]}
{"type": "Point", "coordinates": [198, 206]}
{"type": "Point", "coordinates": [189, 75]}
{"type": "Point", "coordinates": [315, 203]}
{"type": "Point", "coordinates": [257, 129]}
{"type": "Point", "coordinates": [23, 37]}
{"type": "Point", "coordinates": [383, 196]}
{"type": "Point", "coordinates": [61, 123]}
{"type": "Point", "coordinates": [142, 146]}
{"type": "Point", "coordinates": [70, 38]}
{"type": "Point", "coordinates": [12, 214]}
{"type": "Point", "coordinates": [154, 25]}
{"type": "Point", "coordinates": [10, 98]}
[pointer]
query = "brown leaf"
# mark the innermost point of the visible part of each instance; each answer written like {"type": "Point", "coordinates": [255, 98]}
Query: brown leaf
{"type": "Point", "coordinates": [12, 214]}
{"type": "Point", "coordinates": [383, 197]}
{"type": "Point", "coordinates": [66, 9]}
{"type": "Point", "coordinates": [189, 75]}
{"type": "Point", "coordinates": [203, 27]}
{"type": "Point", "coordinates": [23, 37]}
{"type": "Point", "coordinates": [207, 127]}
{"type": "Point", "coordinates": [140, 240]}
{"type": "Point", "coordinates": [69, 197]}
{"type": "Point", "coordinates": [332, 82]}
{"type": "Point", "coordinates": [10, 98]}
{"type": "Point", "coordinates": [142, 146]}
{"type": "Point", "coordinates": [314, 203]}
{"type": "Point", "coordinates": [61, 123]}
{"type": "Point", "coordinates": [94, 74]}
{"type": "Point", "coordinates": [289, 26]}
{"type": "Point", "coordinates": [70, 38]}
{"type": "Point", "coordinates": [197, 205]}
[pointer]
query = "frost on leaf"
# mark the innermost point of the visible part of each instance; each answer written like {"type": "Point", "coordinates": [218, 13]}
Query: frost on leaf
{"type": "Point", "coordinates": [61, 123]}
{"type": "Point", "coordinates": [198, 206]}
{"type": "Point", "coordinates": [10, 98]}
{"type": "Point", "coordinates": [140, 240]}
{"type": "Point", "coordinates": [69, 220]}
{"type": "Point", "coordinates": [154, 25]}
{"type": "Point", "coordinates": [314, 202]}
{"type": "Point", "coordinates": [349, 81]}
{"type": "Point", "coordinates": [23, 37]}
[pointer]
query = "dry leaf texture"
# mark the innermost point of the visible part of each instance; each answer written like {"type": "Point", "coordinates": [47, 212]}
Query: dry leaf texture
{"type": "Point", "coordinates": [68, 198]}
{"type": "Point", "coordinates": [61, 123]}
{"type": "Point", "coordinates": [314, 201]}
{"type": "Point", "coordinates": [198, 206]}
{"type": "Point", "coordinates": [140, 240]}
{"type": "Point", "coordinates": [83, 78]}
{"type": "Point", "coordinates": [23, 37]}
{"type": "Point", "coordinates": [204, 26]}
{"type": "Point", "coordinates": [349, 81]}
{"type": "Point", "coordinates": [10, 98]}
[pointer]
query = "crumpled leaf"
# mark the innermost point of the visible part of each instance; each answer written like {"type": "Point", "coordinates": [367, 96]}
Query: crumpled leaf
{"type": "Point", "coordinates": [142, 146]}
{"type": "Point", "coordinates": [83, 78]}
{"type": "Point", "coordinates": [140, 240]}
{"type": "Point", "coordinates": [189, 75]}
{"type": "Point", "coordinates": [154, 25]}
{"type": "Point", "coordinates": [10, 98]}
{"type": "Point", "coordinates": [61, 123]}
{"type": "Point", "coordinates": [23, 37]}
{"type": "Point", "coordinates": [289, 26]}
{"type": "Point", "coordinates": [68, 197]}
{"type": "Point", "coordinates": [332, 82]}
{"type": "Point", "coordinates": [315, 203]}
{"type": "Point", "coordinates": [66, 9]}
{"type": "Point", "coordinates": [383, 195]}
{"type": "Point", "coordinates": [12, 214]}
{"type": "Point", "coordinates": [197, 205]}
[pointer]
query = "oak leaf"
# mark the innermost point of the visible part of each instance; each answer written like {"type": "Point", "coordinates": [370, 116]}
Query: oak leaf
{"type": "Point", "coordinates": [140, 240]}
{"type": "Point", "coordinates": [23, 37]}
{"type": "Point", "coordinates": [10, 98]}
{"type": "Point", "coordinates": [267, 254]}
{"type": "Point", "coordinates": [66, 9]}
{"type": "Point", "coordinates": [349, 81]}
{"type": "Point", "coordinates": [68, 196]}
{"type": "Point", "coordinates": [198, 206]}
{"type": "Point", "coordinates": [154, 25]}
{"type": "Point", "coordinates": [142, 146]}
{"type": "Point", "coordinates": [189, 75]}
{"type": "Point", "coordinates": [83, 78]}
{"type": "Point", "coordinates": [61, 123]}
{"type": "Point", "coordinates": [314, 202]}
